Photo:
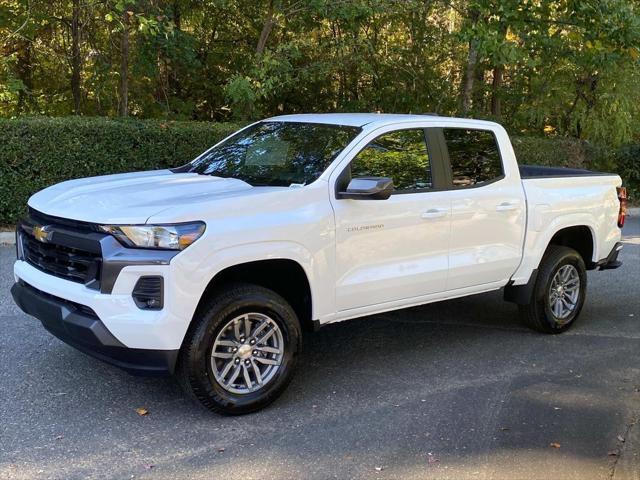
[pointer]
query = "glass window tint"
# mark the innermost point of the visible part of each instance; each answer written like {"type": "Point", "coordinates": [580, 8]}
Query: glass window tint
{"type": "Point", "coordinates": [474, 156]}
{"type": "Point", "coordinates": [276, 153]}
{"type": "Point", "coordinates": [401, 155]}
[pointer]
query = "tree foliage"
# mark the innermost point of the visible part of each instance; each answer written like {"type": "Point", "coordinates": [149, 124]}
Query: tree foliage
{"type": "Point", "coordinates": [554, 67]}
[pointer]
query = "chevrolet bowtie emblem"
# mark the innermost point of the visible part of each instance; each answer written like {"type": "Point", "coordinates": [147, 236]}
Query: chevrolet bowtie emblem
{"type": "Point", "coordinates": [42, 233]}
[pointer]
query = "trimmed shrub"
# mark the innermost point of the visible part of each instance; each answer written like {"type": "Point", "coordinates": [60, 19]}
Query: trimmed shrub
{"type": "Point", "coordinates": [628, 164]}
{"type": "Point", "coordinates": [36, 152]}
{"type": "Point", "coordinates": [574, 153]}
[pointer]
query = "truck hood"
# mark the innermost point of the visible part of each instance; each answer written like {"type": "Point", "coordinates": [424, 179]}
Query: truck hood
{"type": "Point", "coordinates": [131, 198]}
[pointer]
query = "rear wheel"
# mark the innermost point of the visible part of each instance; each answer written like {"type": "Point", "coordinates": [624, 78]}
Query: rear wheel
{"type": "Point", "coordinates": [240, 352]}
{"type": "Point", "coordinates": [559, 292]}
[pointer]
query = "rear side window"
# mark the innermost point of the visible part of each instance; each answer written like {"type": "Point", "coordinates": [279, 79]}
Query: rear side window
{"type": "Point", "coordinates": [474, 156]}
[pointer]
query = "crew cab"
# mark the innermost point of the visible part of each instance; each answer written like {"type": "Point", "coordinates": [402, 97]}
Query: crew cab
{"type": "Point", "coordinates": [212, 271]}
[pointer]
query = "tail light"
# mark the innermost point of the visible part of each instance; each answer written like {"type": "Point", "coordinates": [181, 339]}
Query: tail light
{"type": "Point", "coordinates": [622, 213]}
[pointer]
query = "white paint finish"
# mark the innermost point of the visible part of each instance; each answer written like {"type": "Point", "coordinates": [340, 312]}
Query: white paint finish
{"type": "Point", "coordinates": [564, 202]}
{"type": "Point", "coordinates": [386, 250]}
{"type": "Point", "coordinates": [486, 240]}
{"type": "Point", "coordinates": [131, 197]}
{"type": "Point", "coordinates": [432, 246]}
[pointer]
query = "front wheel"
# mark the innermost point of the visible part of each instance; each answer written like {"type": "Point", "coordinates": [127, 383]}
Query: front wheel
{"type": "Point", "coordinates": [240, 352]}
{"type": "Point", "coordinates": [559, 292]}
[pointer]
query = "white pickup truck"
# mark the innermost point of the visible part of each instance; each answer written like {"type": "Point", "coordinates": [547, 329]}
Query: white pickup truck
{"type": "Point", "coordinates": [213, 270]}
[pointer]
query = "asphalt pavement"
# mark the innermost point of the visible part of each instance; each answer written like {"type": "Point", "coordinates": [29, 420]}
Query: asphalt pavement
{"type": "Point", "coordinates": [455, 390]}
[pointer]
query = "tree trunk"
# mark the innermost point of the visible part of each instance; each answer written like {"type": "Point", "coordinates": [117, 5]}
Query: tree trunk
{"type": "Point", "coordinates": [498, 75]}
{"type": "Point", "coordinates": [76, 59]}
{"type": "Point", "coordinates": [267, 27]}
{"type": "Point", "coordinates": [24, 71]}
{"type": "Point", "coordinates": [496, 85]}
{"type": "Point", "coordinates": [469, 76]}
{"type": "Point", "coordinates": [177, 15]}
{"type": "Point", "coordinates": [173, 77]}
{"type": "Point", "coordinates": [123, 88]}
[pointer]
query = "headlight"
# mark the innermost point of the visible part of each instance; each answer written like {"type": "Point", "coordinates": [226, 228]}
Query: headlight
{"type": "Point", "coordinates": [169, 237]}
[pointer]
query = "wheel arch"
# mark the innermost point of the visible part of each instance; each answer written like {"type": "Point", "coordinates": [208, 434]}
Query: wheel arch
{"type": "Point", "coordinates": [285, 276]}
{"type": "Point", "coordinates": [579, 237]}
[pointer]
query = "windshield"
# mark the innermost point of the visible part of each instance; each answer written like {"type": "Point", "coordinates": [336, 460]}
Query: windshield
{"type": "Point", "coordinates": [276, 153]}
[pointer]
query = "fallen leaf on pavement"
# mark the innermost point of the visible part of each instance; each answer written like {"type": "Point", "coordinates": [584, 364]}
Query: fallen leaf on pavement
{"type": "Point", "coordinates": [554, 445]}
{"type": "Point", "coordinates": [142, 411]}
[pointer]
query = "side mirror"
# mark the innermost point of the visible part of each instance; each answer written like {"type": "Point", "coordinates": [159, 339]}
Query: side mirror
{"type": "Point", "coordinates": [368, 188]}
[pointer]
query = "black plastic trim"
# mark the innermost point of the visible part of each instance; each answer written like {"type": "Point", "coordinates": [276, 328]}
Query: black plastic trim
{"type": "Point", "coordinates": [80, 327]}
{"type": "Point", "coordinates": [531, 172]}
{"type": "Point", "coordinates": [521, 294]}
{"type": "Point", "coordinates": [115, 257]}
{"type": "Point", "coordinates": [611, 262]}
{"type": "Point", "coordinates": [149, 287]}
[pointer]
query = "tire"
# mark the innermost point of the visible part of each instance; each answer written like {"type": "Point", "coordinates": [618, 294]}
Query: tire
{"type": "Point", "coordinates": [220, 327]}
{"type": "Point", "coordinates": [541, 313]}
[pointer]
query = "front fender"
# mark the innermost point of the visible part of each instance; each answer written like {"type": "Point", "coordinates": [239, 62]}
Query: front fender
{"type": "Point", "coordinates": [194, 273]}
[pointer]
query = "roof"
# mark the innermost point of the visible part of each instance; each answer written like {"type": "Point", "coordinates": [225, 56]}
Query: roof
{"type": "Point", "coordinates": [362, 119]}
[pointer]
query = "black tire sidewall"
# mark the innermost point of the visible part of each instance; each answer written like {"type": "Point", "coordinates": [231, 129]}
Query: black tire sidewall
{"type": "Point", "coordinates": [226, 307]}
{"type": "Point", "coordinates": [568, 257]}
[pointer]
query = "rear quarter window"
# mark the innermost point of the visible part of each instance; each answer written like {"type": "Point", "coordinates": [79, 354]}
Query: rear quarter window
{"type": "Point", "coordinates": [474, 156]}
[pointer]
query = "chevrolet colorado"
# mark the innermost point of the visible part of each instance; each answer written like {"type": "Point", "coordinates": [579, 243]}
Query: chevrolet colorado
{"type": "Point", "coordinates": [212, 271]}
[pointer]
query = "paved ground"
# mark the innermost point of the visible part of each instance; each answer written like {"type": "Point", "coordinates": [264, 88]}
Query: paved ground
{"type": "Point", "coordinates": [456, 390]}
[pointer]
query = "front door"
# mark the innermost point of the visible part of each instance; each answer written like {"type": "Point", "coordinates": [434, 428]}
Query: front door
{"type": "Point", "coordinates": [394, 249]}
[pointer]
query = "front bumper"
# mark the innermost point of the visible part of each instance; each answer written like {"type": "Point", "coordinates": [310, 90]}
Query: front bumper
{"type": "Point", "coordinates": [80, 327]}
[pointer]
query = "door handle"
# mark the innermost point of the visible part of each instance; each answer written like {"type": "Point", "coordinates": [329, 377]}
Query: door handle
{"type": "Point", "coordinates": [434, 213]}
{"type": "Point", "coordinates": [507, 206]}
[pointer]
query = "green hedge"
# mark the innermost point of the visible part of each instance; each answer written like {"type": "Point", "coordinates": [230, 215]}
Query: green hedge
{"type": "Point", "coordinates": [36, 152]}
{"type": "Point", "coordinates": [569, 152]}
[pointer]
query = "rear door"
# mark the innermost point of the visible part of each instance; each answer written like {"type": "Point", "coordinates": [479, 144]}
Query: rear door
{"type": "Point", "coordinates": [487, 207]}
{"type": "Point", "coordinates": [394, 249]}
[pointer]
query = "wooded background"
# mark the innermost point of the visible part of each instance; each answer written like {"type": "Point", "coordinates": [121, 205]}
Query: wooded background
{"type": "Point", "coordinates": [545, 67]}
{"type": "Point", "coordinates": [561, 75]}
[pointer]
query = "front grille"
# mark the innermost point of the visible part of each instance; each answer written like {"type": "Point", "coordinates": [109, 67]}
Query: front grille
{"type": "Point", "coordinates": [61, 258]}
{"type": "Point", "coordinates": [64, 262]}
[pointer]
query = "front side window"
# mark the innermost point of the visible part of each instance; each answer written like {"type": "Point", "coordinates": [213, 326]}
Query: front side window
{"type": "Point", "coordinates": [276, 153]}
{"type": "Point", "coordinates": [401, 155]}
{"type": "Point", "coordinates": [474, 156]}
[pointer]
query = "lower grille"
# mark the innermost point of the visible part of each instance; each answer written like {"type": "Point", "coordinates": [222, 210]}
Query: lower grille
{"type": "Point", "coordinates": [73, 306]}
{"type": "Point", "coordinates": [62, 261]}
